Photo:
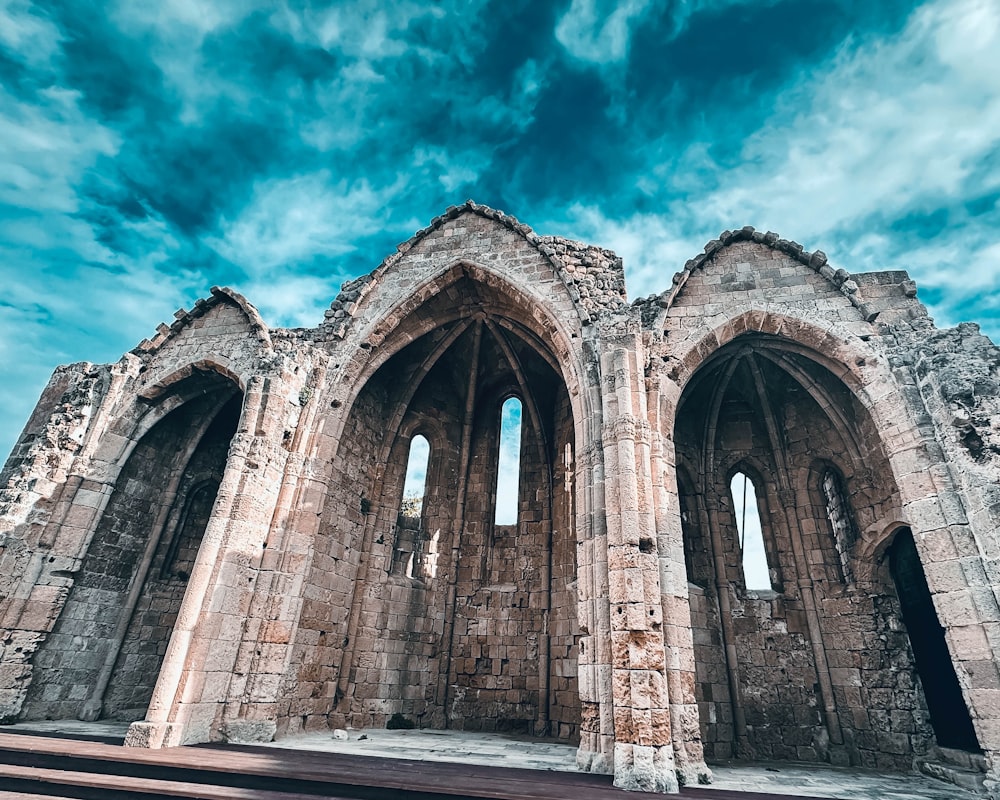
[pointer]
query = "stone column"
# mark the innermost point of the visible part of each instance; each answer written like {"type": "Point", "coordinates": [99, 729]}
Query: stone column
{"type": "Point", "coordinates": [643, 753]}
{"type": "Point", "coordinates": [597, 735]}
{"type": "Point", "coordinates": [265, 653]}
{"type": "Point", "coordinates": [198, 665]}
{"type": "Point", "coordinates": [678, 641]}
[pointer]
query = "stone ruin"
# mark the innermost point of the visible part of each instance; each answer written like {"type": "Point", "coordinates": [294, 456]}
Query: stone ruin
{"type": "Point", "coordinates": [208, 539]}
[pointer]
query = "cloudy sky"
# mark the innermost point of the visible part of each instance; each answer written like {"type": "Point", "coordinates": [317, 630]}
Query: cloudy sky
{"type": "Point", "coordinates": [149, 150]}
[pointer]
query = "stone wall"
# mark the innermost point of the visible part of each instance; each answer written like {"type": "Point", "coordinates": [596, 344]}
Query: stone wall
{"type": "Point", "coordinates": [775, 423]}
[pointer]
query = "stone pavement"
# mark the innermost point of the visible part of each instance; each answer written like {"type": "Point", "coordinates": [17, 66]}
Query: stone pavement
{"type": "Point", "coordinates": [498, 750]}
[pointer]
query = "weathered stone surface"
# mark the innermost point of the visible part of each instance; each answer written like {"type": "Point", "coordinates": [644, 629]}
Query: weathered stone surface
{"type": "Point", "coordinates": [209, 538]}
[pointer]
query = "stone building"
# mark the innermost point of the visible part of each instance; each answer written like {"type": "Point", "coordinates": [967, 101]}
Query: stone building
{"type": "Point", "coordinates": [209, 539]}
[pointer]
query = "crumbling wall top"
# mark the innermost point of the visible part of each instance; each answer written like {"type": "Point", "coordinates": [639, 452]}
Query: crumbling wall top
{"type": "Point", "coordinates": [183, 318]}
{"type": "Point", "coordinates": [594, 276]}
{"type": "Point", "coordinates": [865, 291]}
{"type": "Point", "coordinates": [816, 261]}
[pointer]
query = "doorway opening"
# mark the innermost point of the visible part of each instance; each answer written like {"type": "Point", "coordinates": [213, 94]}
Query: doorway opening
{"type": "Point", "coordinates": [948, 711]}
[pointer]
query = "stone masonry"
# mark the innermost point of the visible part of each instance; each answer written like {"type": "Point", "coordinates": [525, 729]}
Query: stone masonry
{"type": "Point", "coordinates": [208, 539]}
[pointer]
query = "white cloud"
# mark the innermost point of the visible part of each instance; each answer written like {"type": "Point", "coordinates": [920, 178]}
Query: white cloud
{"type": "Point", "coordinates": [887, 129]}
{"type": "Point", "coordinates": [599, 31]}
{"type": "Point", "coordinates": [357, 88]}
{"type": "Point", "coordinates": [890, 126]}
{"type": "Point", "coordinates": [67, 295]}
{"type": "Point", "coordinates": [197, 18]}
{"type": "Point", "coordinates": [51, 315]}
{"type": "Point", "coordinates": [652, 246]}
{"type": "Point", "coordinates": [512, 111]}
{"type": "Point", "coordinates": [45, 148]}
{"type": "Point", "coordinates": [454, 170]}
{"type": "Point", "coordinates": [369, 31]}
{"type": "Point", "coordinates": [287, 299]}
{"type": "Point", "coordinates": [25, 31]}
{"type": "Point", "coordinates": [289, 221]}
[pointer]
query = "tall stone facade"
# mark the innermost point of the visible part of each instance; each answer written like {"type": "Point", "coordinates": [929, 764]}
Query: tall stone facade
{"type": "Point", "coordinates": [208, 538]}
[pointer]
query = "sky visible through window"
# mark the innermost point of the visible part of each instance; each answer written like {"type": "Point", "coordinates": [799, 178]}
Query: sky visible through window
{"type": "Point", "coordinates": [416, 474]}
{"type": "Point", "coordinates": [755, 572]}
{"type": "Point", "coordinates": [509, 465]}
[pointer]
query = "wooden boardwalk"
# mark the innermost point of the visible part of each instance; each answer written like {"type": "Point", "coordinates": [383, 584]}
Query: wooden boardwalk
{"type": "Point", "coordinates": [55, 767]}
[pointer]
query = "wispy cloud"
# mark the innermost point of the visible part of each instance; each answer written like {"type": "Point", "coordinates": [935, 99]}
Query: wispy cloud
{"type": "Point", "coordinates": [27, 31]}
{"type": "Point", "coordinates": [151, 150]}
{"type": "Point", "coordinates": [874, 157]}
{"type": "Point", "coordinates": [597, 31]}
{"type": "Point", "coordinates": [289, 221]}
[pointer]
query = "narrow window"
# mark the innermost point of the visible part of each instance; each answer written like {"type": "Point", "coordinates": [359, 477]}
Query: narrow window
{"type": "Point", "coordinates": [509, 464]}
{"type": "Point", "coordinates": [407, 553]}
{"type": "Point", "coordinates": [755, 572]}
{"type": "Point", "coordinates": [179, 559]}
{"type": "Point", "coordinates": [416, 478]}
{"type": "Point", "coordinates": [838, 512]}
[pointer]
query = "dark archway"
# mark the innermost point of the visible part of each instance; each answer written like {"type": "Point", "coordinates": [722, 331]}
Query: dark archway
{"type": "Point", "coordinates": [103, 656]}
{"type": "Point", "coordinates": [778, 673]}
{"type": "Point", "coordinates": [481, 634]}
{"type": "Point", "coordinates": [949, 713]}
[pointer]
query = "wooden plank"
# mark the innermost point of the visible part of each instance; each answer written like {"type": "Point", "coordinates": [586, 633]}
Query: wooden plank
{"type": "Point", "coordinates": [247, 765]}
{"type": "Point", "coordinates": [338, 769]}
{"type": "Point", "coordinates": [145, 786]}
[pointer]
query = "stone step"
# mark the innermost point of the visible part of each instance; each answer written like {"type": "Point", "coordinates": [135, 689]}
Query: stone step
{"type": "Point", "coordinates": [14, 795]}
{"type": "Point", "coordinates": [963, 777]}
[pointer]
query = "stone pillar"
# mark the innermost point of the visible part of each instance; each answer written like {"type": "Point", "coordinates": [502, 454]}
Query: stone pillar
{"type": "Point", "coordinates": [265, 652]}
{"type": "Point", "coordinates": [685, 725]}
{"type": "Point", "coordinates": [597, 734]}
{"type": "Point", "coordinates": [198, 665]}
{"type": "Point", "coordinates": [643, 754]}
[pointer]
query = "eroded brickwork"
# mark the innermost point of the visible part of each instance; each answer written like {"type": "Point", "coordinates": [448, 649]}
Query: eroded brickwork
{"type": "Point", "coordinates": [209, 538]}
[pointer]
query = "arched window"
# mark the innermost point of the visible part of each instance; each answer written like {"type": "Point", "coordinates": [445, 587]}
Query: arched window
{"type": "Point", "coordinates": [416, 478]}
{"type": "Point", "coordinates": [183, 549]}
{"type": "Point", "coordinates": [839, 513]}
{"type": "Point", "coordinates": [756, 575]}
{"type": "Point", "coordinates": [509, 463]}
{"type": "Point", "coordinates": [407, 556]}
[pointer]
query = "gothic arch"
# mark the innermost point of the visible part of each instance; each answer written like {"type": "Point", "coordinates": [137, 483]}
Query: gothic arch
{"type": "Point", "coordinates": [121, 555]}
{"type": "Point", "coordinates": [509, 303]}
{"type": "Point", "coordinates": [779, 402]}
{"type": "Point", "coordinates": [444, 358]}
{"type": "Point", "coordinates": [842, 355]}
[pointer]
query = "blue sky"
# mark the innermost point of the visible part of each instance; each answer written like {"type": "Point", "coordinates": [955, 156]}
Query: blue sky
{"type": "Point", "coordinates": [151, 150]}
